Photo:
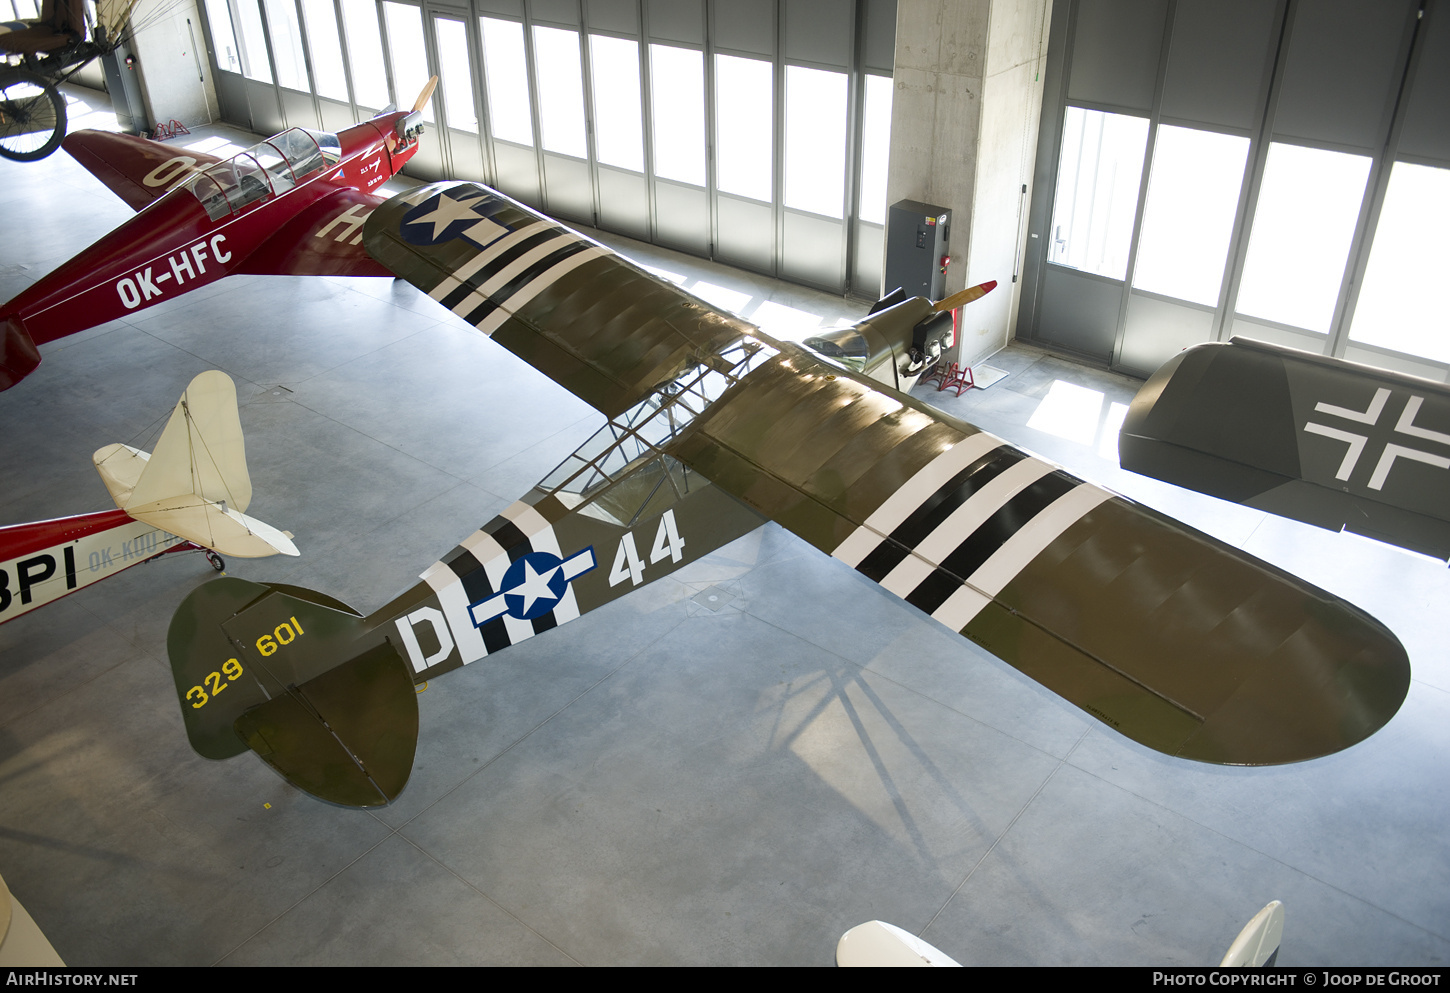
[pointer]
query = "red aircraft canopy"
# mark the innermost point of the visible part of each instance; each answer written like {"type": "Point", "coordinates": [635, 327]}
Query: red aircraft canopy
{"type": "Point", "coordinates": [267, 168]}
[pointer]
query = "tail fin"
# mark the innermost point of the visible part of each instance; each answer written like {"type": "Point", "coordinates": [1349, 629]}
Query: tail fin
{"type": "Point", "coordinates": [198, 469]}
{"type": "Point", "coordinates": [1258, 943]}
{"type": "Point", "coordinates": [293, 675]}
{"type": "Point", "coordinates": [18, 354]}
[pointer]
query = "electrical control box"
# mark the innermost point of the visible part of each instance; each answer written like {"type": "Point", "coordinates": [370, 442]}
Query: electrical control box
{"type": "Point", "coordinates": [916, 249]}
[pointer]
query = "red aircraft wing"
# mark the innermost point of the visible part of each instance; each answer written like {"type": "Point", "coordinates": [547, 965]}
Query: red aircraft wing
{"type": "Point", "coordinates": [137, 170]}
{"type": "Point", "coordinates": [323, 239]}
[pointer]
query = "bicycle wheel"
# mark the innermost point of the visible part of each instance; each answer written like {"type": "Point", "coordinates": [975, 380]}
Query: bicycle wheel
{"type": "Point", "coordinates": [32, 116]}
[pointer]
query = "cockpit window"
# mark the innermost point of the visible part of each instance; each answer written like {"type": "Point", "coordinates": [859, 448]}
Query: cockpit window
{"type": "Point", "coordinates": [843, 345]}
{"type": "Point", "coordinates": [272, 166]}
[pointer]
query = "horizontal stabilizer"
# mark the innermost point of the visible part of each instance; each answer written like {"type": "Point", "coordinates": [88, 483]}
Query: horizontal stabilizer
{"type": "Point", "coordinates": [347, 736]}
{"type": "Point", "coordinates": [137, 170]}
{"type": "Point", "coordinates": [215, 526]}
{"type": "Point", "coordinates": [1329, 442]}
{"type": "Point", "coordinates": [291, 674]}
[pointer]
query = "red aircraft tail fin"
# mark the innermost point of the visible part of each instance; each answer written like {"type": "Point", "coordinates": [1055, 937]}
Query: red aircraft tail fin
{"type": "Point", "coordinates": [18, 354]}
{"type": "Point", "coordinates": [137, 170]}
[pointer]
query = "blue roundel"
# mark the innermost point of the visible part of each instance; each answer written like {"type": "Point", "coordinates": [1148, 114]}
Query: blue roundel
{"type": "Point", "coordinates": [533, 585]}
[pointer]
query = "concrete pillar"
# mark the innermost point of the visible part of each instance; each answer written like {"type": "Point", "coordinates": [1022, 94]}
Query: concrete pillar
{"type": "Point", "coordinates": [964, 135]}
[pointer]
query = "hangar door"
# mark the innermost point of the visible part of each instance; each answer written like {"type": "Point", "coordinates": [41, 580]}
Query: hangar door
{"type": "Point", "coordinates": [754, 132]}
{"type": "Point", "coordinates": [1265, 168]}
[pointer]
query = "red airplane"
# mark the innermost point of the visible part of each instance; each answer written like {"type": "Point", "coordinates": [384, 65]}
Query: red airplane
{"type": "Point", "coordinates": [187, 496]}
{"type": "Point", "coordinates": [292, 205]}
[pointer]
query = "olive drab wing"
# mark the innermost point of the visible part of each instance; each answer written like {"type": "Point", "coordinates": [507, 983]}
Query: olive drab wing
{"type": "Point", "coordinates": [1325, 441]}
{"type": "Point", "coordinates": [1165, 634]}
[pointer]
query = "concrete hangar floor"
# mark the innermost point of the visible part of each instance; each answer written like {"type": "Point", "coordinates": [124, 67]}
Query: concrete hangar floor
{"type": "Point", "coordinates": [671, 779]}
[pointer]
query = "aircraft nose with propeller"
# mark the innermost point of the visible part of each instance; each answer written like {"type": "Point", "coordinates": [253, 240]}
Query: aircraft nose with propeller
{"type": "Point", "coordinates": [292, 205]}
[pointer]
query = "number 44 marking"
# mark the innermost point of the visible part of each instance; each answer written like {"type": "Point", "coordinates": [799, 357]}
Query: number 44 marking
{"type": "Point", "coordinates": [628, 564]}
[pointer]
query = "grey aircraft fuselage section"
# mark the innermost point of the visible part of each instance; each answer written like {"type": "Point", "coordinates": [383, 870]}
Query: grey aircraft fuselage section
{"type": "Point", "coordinates": [1328, 442]}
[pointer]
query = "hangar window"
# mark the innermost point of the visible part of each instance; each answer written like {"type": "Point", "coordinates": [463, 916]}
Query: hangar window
{"type": "Point", "coordinates": [255, 64]}
{"type": "Point", "coordinates": [509, 116]}
{"type": "Point", "coordinates": [745, 127]}
{"type": "Point", "coordinates": [815, 140]}
{"type": "Point", "coordinates": [677, 86]}
{"type": "Point", "coordinates": [561, 91]}
{"type": "Point", "coordinates": [1307, 210]}
{"type": "Point", "coordinates": [618, 125]}
{"type": "Point", "coordinates": [224, 40]}
{"type": "Point", "coordinates": [1193, 194]}
{"type": "Point", "coordinates": [365, 52]}
{"type": "Point", "coordinates": [457, 74]}
{"type": "Point", "coordinates": [1401, 303]}
{"type": "Point", "coordinates": [875, 148]}
{"type": "Point", "coordinates": [410, 58]}
{"type": "Point", "coordinates": [322, 42]}
{"type": "Point", "coordinates": [1097, 191]}
{"type": "Point", "coordinates": [287, 45]}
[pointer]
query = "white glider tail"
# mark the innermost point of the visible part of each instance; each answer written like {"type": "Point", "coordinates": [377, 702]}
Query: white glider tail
{"type": "Point", "coordinates": [196, 484]}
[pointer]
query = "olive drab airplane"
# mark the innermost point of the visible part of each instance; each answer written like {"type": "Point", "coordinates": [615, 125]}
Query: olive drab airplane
{"type": "Point", "coordinates": [1166, 635]}
{"type": "Point", "coordinates": [1332, 443]}
{"type": "Point", "coordinates": [187, 496]}
{"type": "Point", "coordinates": [292, 205]}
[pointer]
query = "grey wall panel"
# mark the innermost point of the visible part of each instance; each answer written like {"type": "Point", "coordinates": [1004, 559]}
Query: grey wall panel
{"type": "Point", "coordinates": [336, 116]}
{"type": "Point", "coordinates": [1219, 60]}
{"type": "Point", "coordinates": [812, 251]}
{"type": "Point", "coordinates": [1307, 340]}
{"type": "Point", "coordinates": [819, 31]}
{"type": "Point", "coordinates": [567, 191]}
{"type": "Point", "coordinates": [624, 202]}
{"type": "Point", "coordinates": [866, 277]}
{"type": "Point", "coordinates": [1399, 363]}
{"type": "Point", "coordinates": [619, 16]}
{"type": "Point", "coordinates": [682, 218]}
{"type": "Point", "coordinates": [1079, 312]}
{"type": "Point", "coordinates": [1427, 124]}
{"type": "Point", "coordinates": [299, 109]}
{"type": "Point", "coordinates": [427, 162]}
{"type": "Point", "coordinates": [744, 26]}
{"type": "Point", "coordinates": [518, 172]}
{"type": "Point", "coordinates": [1157, 330]}
{"type": "Point", "coordinates": [1115, 52]}
{"type": "Point", "coordinates": [555, 11]}
{"type": "Point", "coordinates": [231, 94]}
{"type": "Point", "coordinates": [745, 233]}
{"type": "Point", "coordinates": [677, 20]}
{"type": "Point", "coordinates": [266, 115]}
{"type": "Point", "coordinates": [878, 47]}
{"type": "Point", "coordinates": [510, 8]}
{"type": "Point", "coordinates": [466, 156]}
{"type": "Point", "coordinates": [1343, 68]}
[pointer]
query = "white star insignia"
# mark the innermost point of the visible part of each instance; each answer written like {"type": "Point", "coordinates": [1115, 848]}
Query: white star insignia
{"type": "Point", "coordinates": [447, 211]}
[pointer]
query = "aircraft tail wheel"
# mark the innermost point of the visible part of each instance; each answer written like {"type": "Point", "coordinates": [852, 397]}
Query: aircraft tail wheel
{"type": "Point", "coordinates": [217, 562]}
{"type": "Point", "coordinates": [32, 116]}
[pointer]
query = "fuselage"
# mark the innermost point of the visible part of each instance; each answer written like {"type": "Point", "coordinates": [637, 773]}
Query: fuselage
{"type": "Point", "coordinates": [45, 560]}
{"type": "Point", "coordinates": [207, 226]}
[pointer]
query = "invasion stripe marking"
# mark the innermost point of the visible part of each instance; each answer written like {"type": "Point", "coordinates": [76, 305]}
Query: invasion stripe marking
{"type": "Point", "coordinates": [460, 276]}
{"type": "Point", "coordinates": [979, 508]}
{"type": "Point", "coordinates": [962, 607]}
{"type": "Point", "coordinates": [517, 629]}
{"type": "Point", "coordinates": [500, 296]}
{"type": "Point", "coordinates": [1024, 546]}
{"type": "Point", "coordinates": [959, 490]}
{"type": "Point", "coordinates": [890, 563]}
{"type": "Point", "coordinates": [483, 545]}
{"type": "Point", "coordinates": [516, 249]}
{"type": "Point", "coordinates": [928, 479]}
{"type": "Point", "coordinates": [920, 488]}
{"type": "Point", "coordinates": [495, 320]}
{"type": "Point", "coordinates": [481, 298]}
{"type": "Point", "coordinates": [1010, 518]}
{"type": "Point", "coordinates": [449, 591]}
